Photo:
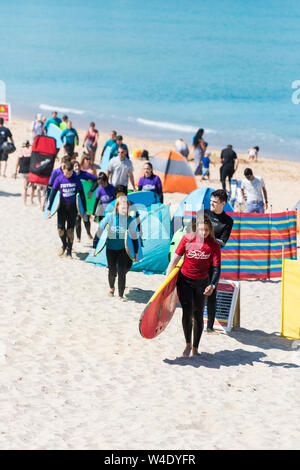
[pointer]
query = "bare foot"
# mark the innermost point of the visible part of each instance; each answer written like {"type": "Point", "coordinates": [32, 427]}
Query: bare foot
{"type": "Point", "coordinates": [196, 352]}
{"type": "Point", "coordinates": [187, 351]}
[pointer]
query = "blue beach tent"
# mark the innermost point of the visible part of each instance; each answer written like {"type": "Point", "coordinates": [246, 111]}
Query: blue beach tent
{"type": "Point", "coordinates": [193, 202]}
{"type": "Point", "coordinates": [156, 226]}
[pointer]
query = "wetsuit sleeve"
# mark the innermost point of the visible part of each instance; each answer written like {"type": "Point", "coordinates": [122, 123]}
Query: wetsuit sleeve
{"type": "Point", "coordinates": [81, 192]}
{"type": "Point", "coordinates": [100, 229]}
{"type": "Point", "coordinates": [96, 204]}
{"type": "Point", "coordinates": [132, 228]}
{"type": "Point", "coordinates": [52, 197]}
{"type": "Point", "coordinates": [160, 191]}
{"type": "Point", "coordinates": [85, 175]}
{"type": "Point", "coordinates": [222, 240]}
{"type": "Point", "coordinates": [216, 261]}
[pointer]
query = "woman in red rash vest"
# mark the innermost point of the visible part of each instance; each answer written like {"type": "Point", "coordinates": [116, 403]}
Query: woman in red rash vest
{"type": "Point", "coordinates": [200, 249]}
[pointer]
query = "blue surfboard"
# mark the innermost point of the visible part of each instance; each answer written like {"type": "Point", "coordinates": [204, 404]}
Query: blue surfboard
{"type": "Point", "coordinates": [129, 245]}
{"type": "Point", "coordinates": [102, 242]}
{"type": "Point", "coordinates": [105, 159]}
{"type": "Point", "coordinates": [55, 131]}
{"type": "Point", "coordinates": [54, 208]}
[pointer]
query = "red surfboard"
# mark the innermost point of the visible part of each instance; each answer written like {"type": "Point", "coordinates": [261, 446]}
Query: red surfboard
{"type": "Point", "coordinates": [161, 307]}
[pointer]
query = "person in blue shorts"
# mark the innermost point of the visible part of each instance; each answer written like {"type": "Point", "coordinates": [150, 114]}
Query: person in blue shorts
{"type": "Point", "coordinates": [205, 167]}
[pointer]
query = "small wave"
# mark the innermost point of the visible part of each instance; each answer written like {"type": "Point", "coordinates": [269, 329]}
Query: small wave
{"type": "Point", "coordinates": [173, 126]}
{"type": "Point", "coordinates": [48, 107]}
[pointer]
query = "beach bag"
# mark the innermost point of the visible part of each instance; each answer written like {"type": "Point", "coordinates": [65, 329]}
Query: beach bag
{"type": "Point", "coordinates": [8, 147]}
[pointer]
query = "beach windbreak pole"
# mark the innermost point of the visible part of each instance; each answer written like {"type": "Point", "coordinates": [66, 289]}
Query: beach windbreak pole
{"type": "Point", "coordinates": [254, 249]}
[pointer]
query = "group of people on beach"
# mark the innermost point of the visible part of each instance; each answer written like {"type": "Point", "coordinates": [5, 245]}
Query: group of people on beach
{"type": "Point", "coordinates": [200, 246]}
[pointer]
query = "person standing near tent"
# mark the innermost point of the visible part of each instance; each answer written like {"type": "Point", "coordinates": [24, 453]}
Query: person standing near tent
{"type": "Point", "coordinates": [199, 148]}
{"type": "Point", "coordinates": [182, 148]}
{"type": "Point", "coordinates": [118, 261]}
{"type": "Point", "coordinates": [68, 184]}
{"type": "Point", "coordinates": [150, 182]}
{"type": "Point", "coordinates": [254, 188]}
{"type": "Point", "coordinates": [230, 163]}
{"type": "Point", "coordinates": [104, 195]}
{"type": "Point", "coordinates": [201, 250]}
{"type": "Point", "coordinates": [120, 169]}
{"type": "Point", "coordinates": [69, 137]}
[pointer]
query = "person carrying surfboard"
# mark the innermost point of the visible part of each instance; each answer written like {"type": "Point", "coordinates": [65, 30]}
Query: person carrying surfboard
{"type": "Point", "coordinates": [118, 223]}
{"type": "Point", "coordinates": [69, 185]}
{"type": "Point", "coordinates": [200, 250]}
{"type": "Point", "coordinates": [104, 195]}
{"type": "Point", "coordinates": [87, 176]}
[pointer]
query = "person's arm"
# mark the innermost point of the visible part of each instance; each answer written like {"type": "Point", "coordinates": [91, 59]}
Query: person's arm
{"type": "Point", "coordinates": [243, 194]}
{"type": "Point", "coordinates": [236, 164]}
{"type": "Point", "coordinates": [172, 263]}
{"type": "Point", "coordinates": [82, 195]}
{"type": "Point", "coordinates": [223, 238]}
{"type": "Point", "coordinates": [216, 257]}
{"type": "Point", "coordinates": [131, 177]}
{"type": "Point", "coordinates": [77, 137]}
{"type": "Point", "coordinates": [85, 139]}
{"type": "Point", "coordinates": [159, 190]}
{"type": "Point", "coordinates": [17, 166]}
{"type": "Point", "coordinates": [100, 230]}
{"type": "Point", "coordinates": [51, 199]}
{"type": "Point", "coordinates": [265, 196]}
{"type": "Point", "coordinates": [96, 204]}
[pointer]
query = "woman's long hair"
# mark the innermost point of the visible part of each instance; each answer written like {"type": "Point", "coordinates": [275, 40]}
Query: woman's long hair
{"type": "Point", "coordinates": [206, 221]}
{"type": "Point", "coordinates": [197, 137]}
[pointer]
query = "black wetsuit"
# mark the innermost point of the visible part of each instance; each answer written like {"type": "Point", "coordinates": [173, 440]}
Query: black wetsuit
{"type": "Point", "coordinates": [222, 225]}
{"type": "Point", "coordinates": [227, 169]}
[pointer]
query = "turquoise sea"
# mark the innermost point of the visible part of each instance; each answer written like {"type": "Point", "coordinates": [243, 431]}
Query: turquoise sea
{"type": "Point", "coordinates": [159, 69]}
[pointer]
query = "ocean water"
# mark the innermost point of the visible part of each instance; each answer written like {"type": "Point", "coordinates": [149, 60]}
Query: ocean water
{"type": "Point", "coordinates": [160, 69]}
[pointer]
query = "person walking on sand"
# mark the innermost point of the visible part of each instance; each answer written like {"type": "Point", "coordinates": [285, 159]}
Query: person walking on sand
{"type": "Point", "coordinates": [53, 120]}
{"type": "Point", "coordinates": [199, 146]}
{"type": "Point", "coordinates": [222, 225]}
{"type": "Point", "coordinates": [37, 127]}
{"type": "Point", "coordinates": [118, 261]}
{"type": "Point", "coordinates": [120, 169]}
{"type": "Point", "coordinates": [91, 141]}
{"type": "Point", "coordinates": [254, 192]}
{"type": "Point", "coordinates": [110, 142]}
{"type": "Point", "coordinates": [182, 148]}
{"type": "Point", "coordinates": [229, 165]}
{"type": "Point", "coordinates": [115, 147]}
{"type": "Point", "coordinates": [5, 134]}
{"type": "Point", "coordinates": [193, 284]}
{"type": "Point", "coordinates": [69, 138]}
{"type": "Point", "coordinates": [69, 185]}
{"type": "Point", "coordinates": [23, 164]}
{"type": "Point", "coordinates": [151, 182]}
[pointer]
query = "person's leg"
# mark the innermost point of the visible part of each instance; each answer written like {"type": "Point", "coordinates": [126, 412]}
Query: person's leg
{"type": "Point", "coordinates": [24, 190]}
{"type": "Point", "coordinates": [111, 256]}
{"type": "Point", "coordinates": [185, 294]}
{"type": "Point", "coordinates": [71, 221]}
{"type": "Point", "coordinates": [87, 224]}
{"type": "Point", "coordinates": [124, 264]}
{"type": "Point", "coordinates": [78, 227]}
{"type": "Point", "coordinates": [198, 302]}
{"type": "Point", "coordinates": [211, 310]}
{"type": "Point", "coordinates": [61, 222]}
{"type": "Point", "coordinates": [32, 193]}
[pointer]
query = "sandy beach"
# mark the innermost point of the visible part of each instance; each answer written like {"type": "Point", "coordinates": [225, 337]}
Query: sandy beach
{"type": "Point", "coordinates": [76, 374]}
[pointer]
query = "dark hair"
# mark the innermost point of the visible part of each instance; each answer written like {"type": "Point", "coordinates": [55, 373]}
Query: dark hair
{"type": "Point", "coordinates": [229, 146]}
{"type": "Point", "coordinates": [256, 148]}
{"type": "Point", "coordinates": [102, 176]}
{"type": "Point", "coordinates": [66, 158]}
{"type": "Point", "coordinates": [220, 194]}
{"type": "Point", "coordinates": [120, 189]}
{"type": "Point", "coordinates": [65, 117]}
{"type": "Point", "coordinates": [197, 137]}
{"type": "Point", "coordinates": [1, 120]}
{"type": "Point", "coordinates": [119, 137]}
{"type": "Point", "coordinates": [92, 124]}
{"type": "Point", "coordinates": [248, 172]}
{"type": "Point", "coordinates": [149, 164]}
{"type": "Point", "coordinates": [68, 166]}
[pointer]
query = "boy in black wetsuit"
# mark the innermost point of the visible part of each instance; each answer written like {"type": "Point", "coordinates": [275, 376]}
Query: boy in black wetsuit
{"type": "Point", "coordinates": [222, 225]}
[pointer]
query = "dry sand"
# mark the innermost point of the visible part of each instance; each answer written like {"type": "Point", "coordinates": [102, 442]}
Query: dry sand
{"type": "Point", "coordinates": [76, 374]}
